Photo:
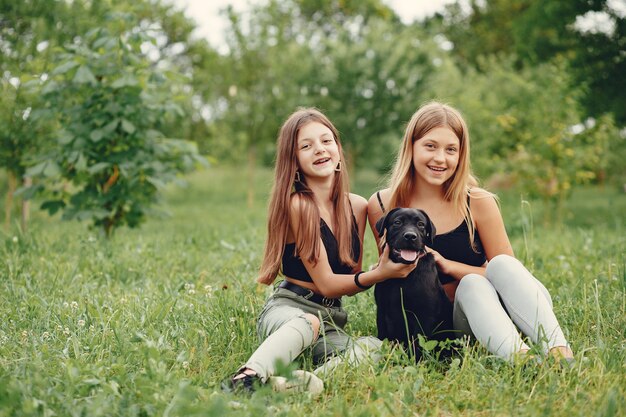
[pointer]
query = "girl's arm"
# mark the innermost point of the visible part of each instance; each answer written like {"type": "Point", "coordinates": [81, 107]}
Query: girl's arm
{"type": "Point", "coordinates": [375, 212]}
{"type": "Point", "coordinates": [359, 208]}
{"type": "Point", "coordinates": [332, 285]}
{"type": "Point", "coordinates": [490, 226]}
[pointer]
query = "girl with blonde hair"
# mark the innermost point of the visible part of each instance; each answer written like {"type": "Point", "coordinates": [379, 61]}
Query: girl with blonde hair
{"type": "Point", "coordinates": [315, 239]}
{"type": "Point", "coordinates": [474, 257]}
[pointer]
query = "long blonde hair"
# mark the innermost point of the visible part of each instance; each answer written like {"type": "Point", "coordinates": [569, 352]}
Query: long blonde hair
{"type": "Point", "coordinates": [456, 189]}
{"type": "Point", "coordinates": [286, 187]}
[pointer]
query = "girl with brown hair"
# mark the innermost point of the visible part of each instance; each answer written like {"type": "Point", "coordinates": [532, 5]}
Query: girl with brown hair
{"type": "Point", "coordinates": [315, 238]}
{"type": "Point", "coordinates": [474, 257]}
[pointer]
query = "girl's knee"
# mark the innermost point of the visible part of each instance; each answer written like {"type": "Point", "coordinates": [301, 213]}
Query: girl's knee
{"type": "Point", "coordinates": [472, 286]}
{"type": "Point", "coordinates": [503, 264]}
{"type": "Point", "coordinates": [471, 282]}
{"type": "Point", "coordinates": [314, 321]}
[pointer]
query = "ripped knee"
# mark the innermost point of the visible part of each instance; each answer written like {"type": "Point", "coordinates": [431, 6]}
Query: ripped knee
{"type": "Point", "coordinates": [315, 324]}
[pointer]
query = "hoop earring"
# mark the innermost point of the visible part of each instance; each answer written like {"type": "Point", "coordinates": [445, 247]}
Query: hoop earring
{"type": "Point", "coordinates": [297, 179]}
{"type": "Point", "coordinates": [338, 167]}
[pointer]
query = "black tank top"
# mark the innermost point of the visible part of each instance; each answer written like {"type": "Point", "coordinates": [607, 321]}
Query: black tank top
{"type": "Point", "coordinates": [293, 267]}
{"type": "Point", "coordinates": [455, 245]}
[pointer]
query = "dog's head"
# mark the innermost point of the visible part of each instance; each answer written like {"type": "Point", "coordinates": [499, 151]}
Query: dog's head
{"type": "Point", "coordinates": [406, 231]}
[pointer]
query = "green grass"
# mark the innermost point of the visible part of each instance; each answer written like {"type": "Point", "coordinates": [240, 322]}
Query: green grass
{"type": "Point", "coordinates": [149, 322]}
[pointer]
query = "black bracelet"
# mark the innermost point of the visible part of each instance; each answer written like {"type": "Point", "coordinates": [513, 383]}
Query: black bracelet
{"type": "Point", "coordinates": [358, 284]}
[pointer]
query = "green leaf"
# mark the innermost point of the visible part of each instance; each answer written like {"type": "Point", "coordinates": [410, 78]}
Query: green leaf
{"type": "Point", "coordinates": [110, 127]}
{"type": "Point", "coordinates": [64, 67]}
{"type": "Point", "coordinates": [31, 83]}
{"type": "Point", "coordinates": [429, 345]}
{"type": "Point", "coordinates": [156, 182]}
{"type": "Point", "coordinates": [81, 164]}
{"type": "Point", "coordinates": [100, 42]}
{"type": "Point", "coordinates": [50, 87]}
{"type": "Point", "coordinates": [52, 206]}
{"type": "Point", "coordinates": [100, 166]}
{"type": "Point", "coordinates": [65, 137]}
{"type": "Point", "coordinates": [90, 214]}
{"type": "Point", "coordinates": [28, 192]}
{"type": "Point", "coordinates": [128, 127]}
{"type": "Point", "coordinates": [36, 170]}
{"type": "Point", "coordinates": [84, 76]}
{"type": "Point", "coordinates": [51, 169]}
{"type": "Point", "coordinates": [96, 135]}
{"type": "Point", "coordinates": [126, 80]}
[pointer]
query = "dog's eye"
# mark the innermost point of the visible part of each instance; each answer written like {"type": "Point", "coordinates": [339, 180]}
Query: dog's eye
{"type": "Point", "coordinates": [421, 225]}
{"type": "Point", "coordinates": [397, 222]}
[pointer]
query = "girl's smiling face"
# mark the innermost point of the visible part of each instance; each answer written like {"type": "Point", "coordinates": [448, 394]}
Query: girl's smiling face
{"type": "Point", "coordinates": [436, 156]}
{"type": "Point", "coordinates": [317, 150]}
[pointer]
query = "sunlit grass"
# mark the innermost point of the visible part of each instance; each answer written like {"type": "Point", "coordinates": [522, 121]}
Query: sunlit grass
{"type": "Point", "coordinates": [149, 322]}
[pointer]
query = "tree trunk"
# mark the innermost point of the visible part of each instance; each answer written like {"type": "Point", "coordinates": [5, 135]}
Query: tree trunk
{"type": "Point", "coordinates": [8, 202]}
{"type": "Point", "coordinates": [251, 172]}
{"type": "Point", "coordinates": [26, 206]}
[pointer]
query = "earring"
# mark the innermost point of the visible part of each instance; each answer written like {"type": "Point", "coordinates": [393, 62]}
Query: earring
{"type": "Point", "coordinates": [297, 179]}
{"type": "Point", "coordinates": [338, 167]}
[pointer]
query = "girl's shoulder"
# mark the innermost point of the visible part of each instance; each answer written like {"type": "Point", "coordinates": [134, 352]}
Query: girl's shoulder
{"type": "Point", "coordinates": [378, 198]}
{"type": "Point", "coordinates": [296, 203]}
{"type": "Point", "coordinates": [384, 194]}
{"type": "Point", "coordinates": [483, 203]}
{"type": "Point", "coordinates": [359, 206]}
{"type": "Point", "coordinates": [358, 203]}
{"type": "Point", "coordinates": [479, 193]}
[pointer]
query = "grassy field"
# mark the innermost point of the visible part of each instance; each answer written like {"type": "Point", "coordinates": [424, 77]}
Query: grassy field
{"type": "Point", "coordinates": [149, 322]}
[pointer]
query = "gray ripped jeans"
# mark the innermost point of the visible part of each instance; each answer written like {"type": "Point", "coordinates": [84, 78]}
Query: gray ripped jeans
{"type": "Point", "coordinates": [284, 333]}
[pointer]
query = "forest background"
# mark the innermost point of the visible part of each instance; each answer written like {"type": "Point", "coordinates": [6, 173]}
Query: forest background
{"type": "Point", "coordinates": [105, 102]}
{"type": "Point", "coordinates": [542, 93]}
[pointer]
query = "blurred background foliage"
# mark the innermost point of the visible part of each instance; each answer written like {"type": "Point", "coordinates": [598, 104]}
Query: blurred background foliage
{"type": "Point", "coordinates": [544, 99]}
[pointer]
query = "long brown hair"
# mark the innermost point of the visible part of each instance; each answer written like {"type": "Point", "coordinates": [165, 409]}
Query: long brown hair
{"type": "Point", "coordinates": [285, 188]}
{"type": "Point", "coordinates": [456, 189]}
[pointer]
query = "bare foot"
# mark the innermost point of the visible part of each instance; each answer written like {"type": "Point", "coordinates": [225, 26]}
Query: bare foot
{"type": "Point", "coordinates": [562, 352]}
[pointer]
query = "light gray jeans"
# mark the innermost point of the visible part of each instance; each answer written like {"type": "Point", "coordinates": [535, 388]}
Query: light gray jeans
{"type": "Point", "coordinates": [285, 332]}
{"type": "Point", "coordinates": [479, 313]}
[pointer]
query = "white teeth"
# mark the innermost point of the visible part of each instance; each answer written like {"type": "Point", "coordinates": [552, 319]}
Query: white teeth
{"type": "Point", "coordinates": [437, 169]}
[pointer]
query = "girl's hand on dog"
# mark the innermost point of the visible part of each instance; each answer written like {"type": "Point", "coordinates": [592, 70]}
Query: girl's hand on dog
{"type": "Point", "coordinates": [392, 269]}
{"type": "Point", "coordinates": [439, 260]}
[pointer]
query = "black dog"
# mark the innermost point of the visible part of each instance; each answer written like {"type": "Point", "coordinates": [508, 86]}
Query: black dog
{"type": "Point", "coordinates": [416, 305]}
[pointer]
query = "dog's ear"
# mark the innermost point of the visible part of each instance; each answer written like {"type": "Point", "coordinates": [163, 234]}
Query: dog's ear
{"type": "Point", "coordinates": [430, 229]}
{"type": "Point", "coordinates": [381, 224]}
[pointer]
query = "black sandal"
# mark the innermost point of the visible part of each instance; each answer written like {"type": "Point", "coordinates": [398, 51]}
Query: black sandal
{"type": "Point", "coordinates": [247, 384]}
